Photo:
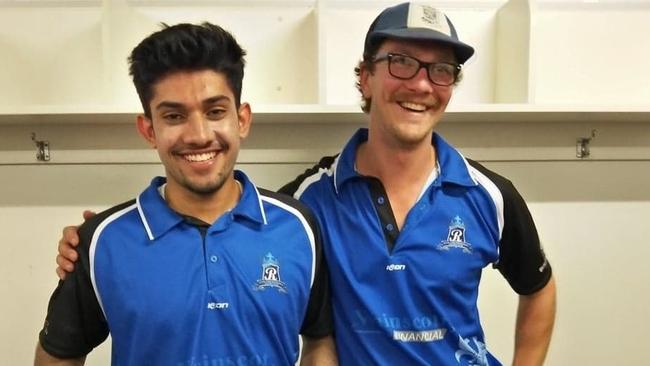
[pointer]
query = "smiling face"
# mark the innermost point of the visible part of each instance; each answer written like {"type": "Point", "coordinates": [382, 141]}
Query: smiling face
{"type": "Point", "coordinates": [404, 112]}
{"type": "Point", "coordinates": [196, 129]}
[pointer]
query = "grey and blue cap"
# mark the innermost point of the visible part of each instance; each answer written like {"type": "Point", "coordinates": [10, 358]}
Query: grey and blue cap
{"type": "Point", "coordinates": [420, 22]}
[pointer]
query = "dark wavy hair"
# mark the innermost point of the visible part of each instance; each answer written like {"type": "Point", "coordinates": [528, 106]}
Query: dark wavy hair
{"type": "Point", "coordinates": [186, 47]}
{"type": "Point", "coordinates": [367, 63]}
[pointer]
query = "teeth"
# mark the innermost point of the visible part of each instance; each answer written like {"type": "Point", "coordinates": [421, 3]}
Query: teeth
{"type": "Point", "coordinates": [199, 157]}
{"type": "Point", "coordinates": [413, 106]}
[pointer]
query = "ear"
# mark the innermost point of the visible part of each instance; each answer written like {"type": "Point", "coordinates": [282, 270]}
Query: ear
{"type": "Point", "coordinates": [364, 76]}
{"type": "Point", "coordinates": [145, 128]}
{"type": "Point", "coordinates": [245, 118]}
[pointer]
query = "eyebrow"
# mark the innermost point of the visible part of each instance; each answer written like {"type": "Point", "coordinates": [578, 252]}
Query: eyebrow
{"type": "Point", "coordinates": [177, 105]}
{"type": "Point", "coordinates": [170, 105]}
{"type": "Point", "coordinates": [216, 99]}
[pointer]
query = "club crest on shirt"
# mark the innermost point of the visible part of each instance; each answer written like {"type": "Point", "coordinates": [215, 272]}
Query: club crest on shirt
{"type": "Point", "coordinates": [270, 275]}
{"type": "Point", "coordinates": [456, 237]}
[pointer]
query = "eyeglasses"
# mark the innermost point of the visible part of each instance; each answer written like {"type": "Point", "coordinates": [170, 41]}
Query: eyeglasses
{"type": "Point", "coordinates": [406, 67]}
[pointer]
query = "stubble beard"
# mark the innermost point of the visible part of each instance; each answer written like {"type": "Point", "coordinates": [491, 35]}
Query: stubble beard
{"type": "Point", "coordinates": [207, 189]}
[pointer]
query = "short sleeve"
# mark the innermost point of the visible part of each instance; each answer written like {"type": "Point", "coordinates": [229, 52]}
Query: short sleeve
{"type": "Point", "coordinates": [75, 323]}
{"type": "Point", "coordinates": [318, 318]}
{"type": "Point", "coordinates": [521, 258]}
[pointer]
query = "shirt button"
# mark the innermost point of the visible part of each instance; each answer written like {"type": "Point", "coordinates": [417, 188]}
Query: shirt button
{"type": "Point", "coordinates": [214, 259]}
{"type": "Point", "coordinates": [380, 200]}
{"type": "Point", "coordinates": [389, 227]}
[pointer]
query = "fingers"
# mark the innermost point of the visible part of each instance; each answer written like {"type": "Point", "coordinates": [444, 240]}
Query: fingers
{"type": "Point", "coordinates": [67, 253]}
{"type": "Point", "coordinates": [88, 214]}
{"type": "Point", "coordinates": [70, 238]}
{"type": "Point", "coordinates": [60, 273]}
{"type": "Point", "coordinates": [64, 263]}
{"type": "Point", "coordinates": [66, 250]}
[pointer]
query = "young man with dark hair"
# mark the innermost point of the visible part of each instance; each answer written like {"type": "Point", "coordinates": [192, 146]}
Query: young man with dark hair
{"type": "Point", "coordinates": [409, 223]}
{"type": "Point", "coordinates": [202, 267]}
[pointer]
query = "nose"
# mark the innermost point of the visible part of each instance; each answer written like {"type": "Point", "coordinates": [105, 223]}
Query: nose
{"type": "Point", "coordinates": [198, 131]}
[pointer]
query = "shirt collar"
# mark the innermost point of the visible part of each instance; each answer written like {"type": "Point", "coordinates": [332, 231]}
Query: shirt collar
{"type": "Point", "coordinates": [158, 218]}
{"type": "Point", "coordinates": [250, 204]}
{"type": "Point", "coordinates": [344, 166]}
{"type": "Point", "coordinates": [453, 166]}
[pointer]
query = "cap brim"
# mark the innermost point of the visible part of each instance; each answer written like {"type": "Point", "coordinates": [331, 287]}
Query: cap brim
{"type": "Point", "coordinates": [462, 50]}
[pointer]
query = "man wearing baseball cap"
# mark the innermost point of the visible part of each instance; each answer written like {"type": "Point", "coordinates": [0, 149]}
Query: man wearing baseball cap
{"type": "Point", "coordinates": [409, 223]}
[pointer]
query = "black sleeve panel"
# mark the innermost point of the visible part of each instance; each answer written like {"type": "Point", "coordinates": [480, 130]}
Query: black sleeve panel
{"type": "Point", "coordinates": [75, 323]}
{"type": "Point", "coordinates": [318, 321]}
{"type": "Point", "coordinates": [521, 258]}
{"type": "Point", "coordinates": [291, 187]}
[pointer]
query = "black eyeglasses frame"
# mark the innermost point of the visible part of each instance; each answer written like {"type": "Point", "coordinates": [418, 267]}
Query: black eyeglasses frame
{"type": "Point", "coordinates": [421, 64]}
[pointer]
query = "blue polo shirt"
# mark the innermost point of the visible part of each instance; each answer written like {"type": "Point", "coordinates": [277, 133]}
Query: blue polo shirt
{"type": "Point", "coordinates": [408, 297]}
{"type": "Point", "coordinates": [175, 291]}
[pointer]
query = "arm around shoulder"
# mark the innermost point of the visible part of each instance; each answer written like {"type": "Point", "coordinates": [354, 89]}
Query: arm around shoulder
{"type": "Point", "coordinates": [42, 358]}
{"type": "Point", "coordinates": [535, 320]}
{"type": "Point", "coordinates": [318, 352]}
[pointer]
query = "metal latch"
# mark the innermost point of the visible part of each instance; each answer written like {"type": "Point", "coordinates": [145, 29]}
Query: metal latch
{"type": "Point", "coordinates": [42, 149]}
{"type": "Point", "coordinates": [582, 145]}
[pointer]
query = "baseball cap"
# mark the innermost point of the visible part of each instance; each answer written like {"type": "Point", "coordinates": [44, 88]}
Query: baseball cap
{"type": "Point", "coordinates": [416, 21]}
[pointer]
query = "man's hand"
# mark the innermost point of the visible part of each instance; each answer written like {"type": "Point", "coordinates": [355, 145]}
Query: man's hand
{"type": "Point", "coordinates": [67, 254]}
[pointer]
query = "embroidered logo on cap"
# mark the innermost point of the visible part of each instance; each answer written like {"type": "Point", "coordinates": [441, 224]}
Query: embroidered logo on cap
{"type": "Point", "coordinates": [424, 16]}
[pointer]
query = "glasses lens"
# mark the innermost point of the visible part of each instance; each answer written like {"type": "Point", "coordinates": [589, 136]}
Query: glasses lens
{"type": "Point", "coordinates": [403, 67]}
{"type": "Point", "coordinates": [442, 73]}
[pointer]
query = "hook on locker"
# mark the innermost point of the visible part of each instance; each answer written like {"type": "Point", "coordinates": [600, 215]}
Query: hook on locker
{"type": "Point", "coordinates": [42, 149]}
{"type": "Point", "coordinates": [582, 145]}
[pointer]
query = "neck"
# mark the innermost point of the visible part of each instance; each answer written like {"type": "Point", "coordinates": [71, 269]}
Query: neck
{"type": "Point", "coordinates": [396, 164]}
{"type": "Point", "coordinates": [206, 207]}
